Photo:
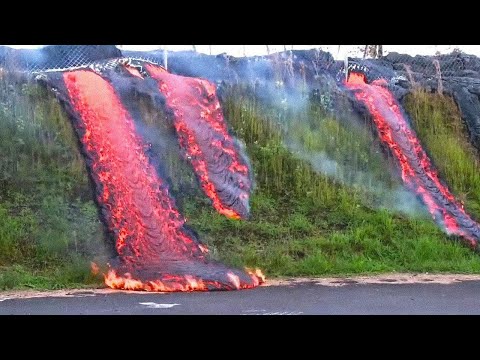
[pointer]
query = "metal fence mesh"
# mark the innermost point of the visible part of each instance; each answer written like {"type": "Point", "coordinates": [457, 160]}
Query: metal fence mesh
{"type": "Point", "coordinates": [452, 62]}
{"type": "Point", "coordinates": [447, 61]}
{"type": "Point", "coordinates": [54, 58]}
{"type": "Point", "coordinates": [67, 57]}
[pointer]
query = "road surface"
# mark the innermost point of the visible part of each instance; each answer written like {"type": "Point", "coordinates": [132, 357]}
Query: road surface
{"type": "Point", "coordinates": [388, 295]}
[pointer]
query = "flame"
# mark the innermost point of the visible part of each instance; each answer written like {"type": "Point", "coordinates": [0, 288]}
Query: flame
{"type": "Point", "coordinates": [204, 137]}
{"type": "Point", "coordinates": [417, 171]}
{"type": "Point", "coordinates": [256, 274]}
{"type": "Point", "coordinates": [156, 250]}
{"type": "Point", "coordinates": [172, 283]}
{"type": "Point", "coordinates": [126, 282]}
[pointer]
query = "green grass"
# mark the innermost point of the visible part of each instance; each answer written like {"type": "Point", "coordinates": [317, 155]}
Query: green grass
{"type": "Point", "coordinates": [304, 222]}
{"type": "Point", "coordinates": [49, 226]}
{"type": "Point", "coordinates": [443, 133]}
{"type": "Point", "coordinates": [76, 274]}
{"type": "Point", "coordinates": [295, 238]}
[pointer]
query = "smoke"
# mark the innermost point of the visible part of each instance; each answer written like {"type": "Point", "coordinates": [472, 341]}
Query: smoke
{"type": "Point", "coordinates": [16, 59]}
{"type": "Point", "coordinates": [325, 138]}
{"type": "Point", "coordinates": [387, 196]}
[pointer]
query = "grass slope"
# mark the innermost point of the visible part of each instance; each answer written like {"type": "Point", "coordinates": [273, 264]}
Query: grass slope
{"type": "Point", "coordinates": [444, 135]}
{"type": "Point", "coordinates": [303, 222]}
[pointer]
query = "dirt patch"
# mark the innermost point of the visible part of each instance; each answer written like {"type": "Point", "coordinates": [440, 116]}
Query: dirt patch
{"type": "Point", "coordinates": [395, 279]}
{"type": "Point", "coordinates": [28, 294]}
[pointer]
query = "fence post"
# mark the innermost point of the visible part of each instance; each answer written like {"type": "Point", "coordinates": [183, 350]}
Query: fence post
{"type": "Point", "coordinates": [346, 67]}
{"type": "Point", "coordinates": [165, 57]}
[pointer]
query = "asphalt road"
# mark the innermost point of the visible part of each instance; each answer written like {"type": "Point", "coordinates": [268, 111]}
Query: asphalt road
{"type": "Point", "coordinates": [291, 299]}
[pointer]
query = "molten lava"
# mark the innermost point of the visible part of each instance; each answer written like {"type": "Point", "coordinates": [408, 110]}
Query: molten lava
{"type": "Point", "coordinates": [417, 171]}
{"type": "Point", "coordinates": [156, 250]}
{"type": "Point", "coordinates": [203, 136]}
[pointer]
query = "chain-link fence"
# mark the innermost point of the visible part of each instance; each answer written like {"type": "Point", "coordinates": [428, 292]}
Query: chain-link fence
{"type": "Point", "coordinates": [430, 60]}
{"type": "Point", "coordinates": [52, 58]}
{"type": "Point", "coordinates": [455, 63]}
{"type": "Point", "coordinates": [434, 61]}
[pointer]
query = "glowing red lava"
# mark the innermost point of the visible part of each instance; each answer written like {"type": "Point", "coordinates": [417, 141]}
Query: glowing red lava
{"type": "Point", "coordinates": [156, 251]}
{"type": "Point", "coordinates": [203, 135]}
{"type": "Point", "coordinates": [417, 170]}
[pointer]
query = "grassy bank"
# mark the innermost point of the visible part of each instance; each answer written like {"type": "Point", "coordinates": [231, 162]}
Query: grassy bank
{"type": "Point", "coordinates": [444, 135]}
{"type": "Point", "coordinates": [305, 223]}
{"type": "Point", "coordinates": [306, 219]}
{"type": "Point", "coordinates": [49, 227]}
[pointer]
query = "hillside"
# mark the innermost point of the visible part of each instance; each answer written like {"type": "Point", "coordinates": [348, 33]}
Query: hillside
{"type": "Point", "coordinates": [328, 198]}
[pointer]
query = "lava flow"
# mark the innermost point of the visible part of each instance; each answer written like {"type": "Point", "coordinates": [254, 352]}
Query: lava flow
{"type": "Point", "coordinates": [203, 136]}
{"type": "Point", "coordinates": [417, 171]}
{"type": "Point", "coordinates": [156, 250]}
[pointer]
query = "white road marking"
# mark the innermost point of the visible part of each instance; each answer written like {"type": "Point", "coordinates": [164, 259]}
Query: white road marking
{"type": "Point", "coordinates": [263, 312]}
{"type": "Point", "coordinates": [285, 313]}
{"type": "Point", "coordinates": [4, 299]}
{"type": "Point", "coordinates": [152, 305]}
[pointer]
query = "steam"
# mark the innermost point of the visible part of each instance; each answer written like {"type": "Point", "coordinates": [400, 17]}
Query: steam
{"type": "Point", "coordinates": [386, 192]}
{"type": "Point", "coordinates": [395, 198]}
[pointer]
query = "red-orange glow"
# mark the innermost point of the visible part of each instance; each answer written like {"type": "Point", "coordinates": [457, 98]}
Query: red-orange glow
{"type": "Point", "coordinates": [156, 250]}
{"type": "Point", "coordinates": [204, 136]}
{"type": "Point", "coordinates": [417, 170]}
{"type": "Point", "coordinates": [257, 274]}
{"type": "Point", "coordinates": [356, 78]}
{"type": "Point", "coordinates": [185, 283]}
{"type": "Point", "coordinates": [131, 188]}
